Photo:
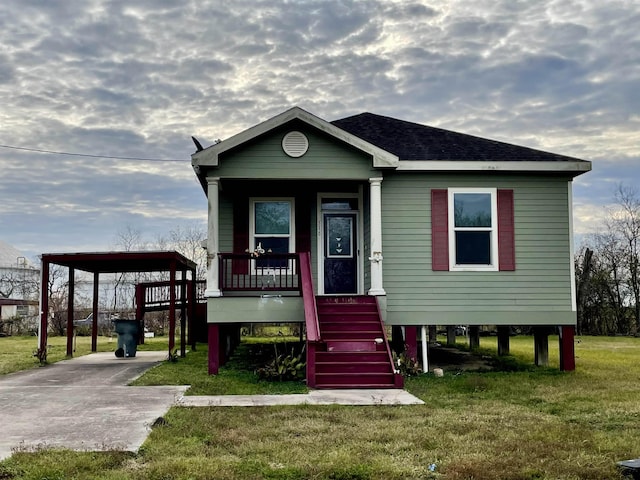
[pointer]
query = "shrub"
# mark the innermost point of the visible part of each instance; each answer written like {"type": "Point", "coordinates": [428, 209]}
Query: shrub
{"type": "Point", "coordinates": [284, 367]}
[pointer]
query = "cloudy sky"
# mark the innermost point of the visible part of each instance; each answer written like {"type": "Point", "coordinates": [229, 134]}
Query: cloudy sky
{"type": "Point", "coordinates": [129, 78]}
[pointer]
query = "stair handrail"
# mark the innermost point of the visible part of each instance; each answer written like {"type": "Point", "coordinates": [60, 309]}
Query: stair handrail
{"type": "Point", "coordinates": [398, 379]}
{"type": "Point", "coordinates": [309, 298]}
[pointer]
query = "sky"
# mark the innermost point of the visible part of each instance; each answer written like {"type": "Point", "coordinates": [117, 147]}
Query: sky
{"type": "Point", "coordinates": [137, 78]}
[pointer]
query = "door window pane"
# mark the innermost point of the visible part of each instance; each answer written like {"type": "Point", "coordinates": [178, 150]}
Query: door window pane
{"type": "Point", "coordinates": [339, 232]}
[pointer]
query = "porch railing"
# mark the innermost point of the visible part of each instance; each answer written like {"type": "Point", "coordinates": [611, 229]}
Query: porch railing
{"type": "Point", "coordinates": [275, 272]}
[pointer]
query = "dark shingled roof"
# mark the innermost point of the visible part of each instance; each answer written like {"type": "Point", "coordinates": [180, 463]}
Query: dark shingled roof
{"type": "Point", "coordinates": [412, 141]}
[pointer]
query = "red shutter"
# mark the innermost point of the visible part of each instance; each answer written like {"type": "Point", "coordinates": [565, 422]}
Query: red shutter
{"type": "Point", "coordinates": [506, 241]}
{"type": "Point", "coordinates": [240, 234]}
{"type": "Point", "coordinates": [439, 230]}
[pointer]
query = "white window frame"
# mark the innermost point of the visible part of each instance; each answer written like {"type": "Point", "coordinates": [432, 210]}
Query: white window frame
{"type": "Point", "coordinates": [252, 229]}
{"type": "Point", "coordinates": [453, 266]}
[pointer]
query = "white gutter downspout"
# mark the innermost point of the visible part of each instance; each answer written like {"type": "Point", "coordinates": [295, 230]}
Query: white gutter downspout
{"type": "Point", "coordinates": [425, 358]}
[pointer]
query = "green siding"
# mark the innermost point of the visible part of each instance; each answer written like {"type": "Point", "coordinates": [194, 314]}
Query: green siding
{"type": "Point", "coordinates": [537, 292]}
{"type": "Point", "coordinates": [255, 310]}
{"type": "Point", "coordinates": [225, 224]}
{"type": "Point", "coordinates": [325, 159]}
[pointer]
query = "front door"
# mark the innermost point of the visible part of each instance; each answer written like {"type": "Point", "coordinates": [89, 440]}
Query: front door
{"type": "Point", "coordinates": [340, 253]}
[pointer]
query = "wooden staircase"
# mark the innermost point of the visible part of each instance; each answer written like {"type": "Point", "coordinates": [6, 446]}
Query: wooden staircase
{"type": "Point", "coordinates": [354, 352]}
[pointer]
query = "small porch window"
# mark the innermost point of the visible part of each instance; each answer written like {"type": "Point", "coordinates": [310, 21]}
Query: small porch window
{"type": "Point", "coordinates": [272, 229]}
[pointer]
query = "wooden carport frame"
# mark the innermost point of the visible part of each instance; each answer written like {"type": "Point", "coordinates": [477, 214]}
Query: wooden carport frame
{"type": "Point", "coordinates": [115, 262]}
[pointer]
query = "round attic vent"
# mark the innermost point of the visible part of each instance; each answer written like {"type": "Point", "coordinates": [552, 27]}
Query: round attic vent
{"type": "Point", "coordinates": [295, 144]}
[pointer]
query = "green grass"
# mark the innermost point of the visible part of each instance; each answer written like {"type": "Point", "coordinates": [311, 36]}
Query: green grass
{"type": "Point", "coordinates": [16, 353]}
{"type": "Point", "coordinates": [532, 423]}
{"type": "Point", "coordinates": [237, 377]}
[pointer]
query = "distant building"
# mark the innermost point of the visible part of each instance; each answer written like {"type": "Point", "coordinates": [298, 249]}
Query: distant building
{"type": "Point", "coordinates": [19, 283]}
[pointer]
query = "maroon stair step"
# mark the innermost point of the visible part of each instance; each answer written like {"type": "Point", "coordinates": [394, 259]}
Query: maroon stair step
{"type": "Point", "coordinates": [347, 357]}
{"type": "Point", "coordinates": [334, 386]}
{"type": "Point", "coordinates": [364, 367]}
{"type": "Point", "coordinates": [348, 318]}
{"type": "Point", "coordinates": [354, 345]}
{"type": "Point", "coordinates": [347, 300]}
{"type": "Point", "coordinates": [352, 326]}
{"type": "Point", "coordinates": [354, 378]}
{"type": "Point", "coordinates": [360, 335]}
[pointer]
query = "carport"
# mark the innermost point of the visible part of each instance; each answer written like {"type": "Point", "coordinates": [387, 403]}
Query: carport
{"type": "Point", "coordinates": [121, 262]}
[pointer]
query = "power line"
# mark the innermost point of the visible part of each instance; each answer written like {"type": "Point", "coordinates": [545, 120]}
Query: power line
{"type": "Point", "coordinates": [53, 152]}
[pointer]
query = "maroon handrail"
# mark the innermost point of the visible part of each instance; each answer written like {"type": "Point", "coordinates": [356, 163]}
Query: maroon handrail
{"type": "Point", "coordinates": [309, 298]}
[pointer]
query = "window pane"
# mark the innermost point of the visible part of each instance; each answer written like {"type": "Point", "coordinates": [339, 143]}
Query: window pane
{"type": "Point", "coordinates": [473, 248]}
{"type": "Point", "coordinates": [472, 209]}
{"type": "Point", "coordinates": [339, 203]}
{"type": "Point", "coordinates": [272, 218]}
{"type": "Point", "coordinates": [275, 245]}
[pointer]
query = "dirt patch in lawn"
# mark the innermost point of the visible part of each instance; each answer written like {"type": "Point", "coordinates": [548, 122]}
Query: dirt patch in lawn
{"type": "Point", "coordinates": [452, 359]}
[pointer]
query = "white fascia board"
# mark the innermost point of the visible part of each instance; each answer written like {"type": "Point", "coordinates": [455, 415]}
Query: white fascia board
{"type": "Point", "coordinates": [577, 167]}
{"type": "Point", "coordinates": [210, 155]}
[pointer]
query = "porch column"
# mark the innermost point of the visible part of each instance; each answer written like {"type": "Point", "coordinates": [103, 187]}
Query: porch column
{"type": "Point", "coordinates": [375, 198]}
{"type": "Point", "coordinates": [213, 286]}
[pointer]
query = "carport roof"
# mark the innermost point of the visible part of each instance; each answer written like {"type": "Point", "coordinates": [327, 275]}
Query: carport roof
{"type": "Point", "coordinates": [118, 262]}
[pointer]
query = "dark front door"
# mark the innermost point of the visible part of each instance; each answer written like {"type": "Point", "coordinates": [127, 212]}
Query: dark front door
{"type": "Point", "coordinates": [340, 253]}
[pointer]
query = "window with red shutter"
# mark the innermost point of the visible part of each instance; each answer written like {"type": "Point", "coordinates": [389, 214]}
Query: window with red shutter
{"type": "Point", "coordinates": [472, 229]}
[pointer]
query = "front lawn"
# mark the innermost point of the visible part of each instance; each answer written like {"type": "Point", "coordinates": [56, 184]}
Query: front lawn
{"type": "Point", "coordinates": [531, 423]}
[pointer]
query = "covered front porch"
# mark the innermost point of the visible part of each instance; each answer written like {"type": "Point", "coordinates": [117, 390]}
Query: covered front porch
{"type": "Point", "coordinates": [338, 222]}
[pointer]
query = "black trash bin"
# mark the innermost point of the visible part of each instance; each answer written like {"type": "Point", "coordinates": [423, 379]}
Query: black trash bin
{"type": "Point", "coordinates": [128, 331]}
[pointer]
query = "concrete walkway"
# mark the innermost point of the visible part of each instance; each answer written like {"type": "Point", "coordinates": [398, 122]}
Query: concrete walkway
{"type": "Point", "coordinates": [315, 397]}
{"type": "Point", "coordinates": [84, 403]}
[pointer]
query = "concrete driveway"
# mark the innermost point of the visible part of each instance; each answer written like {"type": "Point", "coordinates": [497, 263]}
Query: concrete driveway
{"type": "Point", "coordinates": [82, 404]}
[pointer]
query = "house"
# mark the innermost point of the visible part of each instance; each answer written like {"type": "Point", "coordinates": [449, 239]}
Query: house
{"type": "Point", "coordinates": [18, 291]}
{"type": "Point", "coordinates": [368, 221]}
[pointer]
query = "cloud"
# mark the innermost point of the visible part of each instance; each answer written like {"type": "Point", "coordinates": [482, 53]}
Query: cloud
{"type": "Point", "coordinates": [138, 78]}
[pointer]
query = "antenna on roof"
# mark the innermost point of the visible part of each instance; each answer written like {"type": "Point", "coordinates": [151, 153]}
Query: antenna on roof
{"type": "Point", "coordinates": [197, 144]}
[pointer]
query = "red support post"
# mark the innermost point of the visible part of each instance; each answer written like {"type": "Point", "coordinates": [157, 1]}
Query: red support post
{"type": "Point", "coordinates": [411, 341]}
{"type": "Point", "coordinates": [567, 349]}
{"type": "Point", "coordinates": [183, 313]}
{"type": "Point", "coordinates": [214, 347]}
{"type": "Point", "coordinates": [191, 311]}
{"type": "Point", "coordinates": [94, 322]}
{"type": "Point", "coordinates": [44, 307]}
{"type": "Point", "coordinates": [172, 308]}
{"type": "Point", "coordinates": [141, 293]}
{"type": "Point", "coordinates": [70, 312]}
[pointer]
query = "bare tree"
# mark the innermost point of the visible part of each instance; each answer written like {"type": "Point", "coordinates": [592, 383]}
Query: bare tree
{"type": "Point", "coordinates": [58, 292]}
{"type": "Point", "coordinates": [624, 224]}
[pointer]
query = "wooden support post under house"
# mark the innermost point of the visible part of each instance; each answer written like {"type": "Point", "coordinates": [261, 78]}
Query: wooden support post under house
{"type": "Point", "coordinates": [503, 340]}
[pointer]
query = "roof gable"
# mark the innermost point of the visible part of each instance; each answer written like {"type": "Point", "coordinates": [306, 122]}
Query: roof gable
{"type": "Point", "coordinates": [210, 157]}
